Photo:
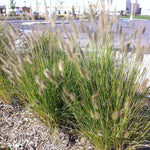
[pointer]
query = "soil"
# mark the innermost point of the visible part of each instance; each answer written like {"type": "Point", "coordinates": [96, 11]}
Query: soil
{"type": "Point", "coordinates": [21, 130]}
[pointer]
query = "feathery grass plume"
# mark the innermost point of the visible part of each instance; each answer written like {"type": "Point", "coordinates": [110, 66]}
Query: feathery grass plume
{"type": "Point", "coordinates": [94, 100]}
{"type": "Point", "coordinates": [95, 38]}
{"type": "Point", "coordinates": [2, 59]}
{"type": "Point", "coordinates": [81, 71]}
{"type": "Point", "coordinates": [61, 45]}
{"type": "Point", "coordinates": [37, 80]}
{"type": "Point", "coordinates": [143, 85]}
{"type": "Point", "coordinates": [126, 135]}
{"type": "Point", "coordinates": [117, 28]}
{"type": "Point", "coordinates": [95, 115]}
{"type": "Point", "coordinates": [120, 30]}
{"type": "Point", "coordinates": [92, 12]}
{"type": "Point", "coordinates": [81, 51]}
{"type": "Point", "coordinates": [132, 26]}
{"type": "Point", "coordinates": [27, 15]}
{"type": "Point", "coordinates": [133, 50]}
{"type": "Point", "coordinates": [28, 59]}
{"type": "Point", "coordinates": [121, 114]}
{"type": "Point", "coordinates": [33, 34]}
{"type": "Point", "coordinates": [82, 104]}
{"type": "Point", "coordinates": [6, 45]}
{"type": "Point", "coordinates": [138, 32]}
{"type": "Point", "coordinates": [68, 96]}
{"type": "Point", "coordinates": [127, 48]}
{"type": "Point", "coordinates": [53, 70]}
{"type": "Point", "coordinates": [27, 40]}
{"type": "Point", "coordinates": [65, 30]}
{"type": "Point", "coordinates": [13, 31]}
{"type": "Point", "coordinates": [73, 49]}
{"type": "Point", "coordinates": [81, 26]}
{"type": "Point", "coordinates": [88, 32]}
{"type": "Point", "coordinates": [146, 48]}
{"type": "Point", "coordinates": [32, 17]}
{"type": "Point", "coordinates": [144, 29]}
{"type": "Point", "coordinates": [22, 17]}
{"type": "Point", "coordinates": [107, 22]}
{"type": "Point", "coordinates": [112, 37]}
{"type": "Point", "coordinates": [87, 46]}
{"type": "Point", "coordinates": [88, 76]}
{"type": "Point", "coordinates": [101, 20]}
{"type": "Point", "coordinates": [74, 29]}
{"type": "Point", "coordinates": [144, 72]}
{"type": "Point", "coordinates": [140, 53]}
{"type": "Point", "coordinates": [127, 104]}
{"type": "Point", "coordinates": [31, 42]}
{"type": "Point", "coordinates": [68, 52]}
{"type": "Point", "coordinates": [41, 91]}
{"type": "Point", "coordinates": [11, 79]}
{"type": "Point", "coordinates": [20, 60]}
{"type": "Point", "coordinates": [53, 21]}
{"type": "Point", "coordinates": [115, 115]}
{"type": "Point", "coordinates": [143, 103]}
{"type": "Point", "coordinates": [43, 85]}
{"type": "Point", "coordinates": [100, 133]}
{"type": "Point", "coordinates": [72, 38]}
{"type": "Point", "coordinates": [59, 32]}
{"type": "Point", "coordinates": [40, 28]}
{"type": "Point", "coordinates": [47, 18]}
{"type": "Point", "coordinates": [12, 63]}
{"type": "Point", "coordinates": [61, 65]}
{"type": "Point", "coordinates": [17, 72]}
{"type": "Point", "coordinates": [122, 41]}
{"type": "Point", "coordinates": [111, 24]}
{"type": "Point", "coordinates": [7, 70]}
{"type": "Point", "coordinates": [136, 88]}
{"type": "Point", "coordinates": [49, 76]}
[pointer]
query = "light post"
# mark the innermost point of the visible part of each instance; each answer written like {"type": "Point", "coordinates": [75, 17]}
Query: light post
{"type": "Point", "coordinates": [131, 17]}
{"type": "Point", "coordinates": [50, 10]}
{"type": "Point", "coordinates": [24, 3]}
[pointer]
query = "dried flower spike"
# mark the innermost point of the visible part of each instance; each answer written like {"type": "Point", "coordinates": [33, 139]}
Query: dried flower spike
{"type": "Point", "coordinates": [61, 65]}
{"type": "Point", "coordinates": [121, 114]}
{"type": "Point", "coordinates": [95, 115]}
{"type": "Point", "coordinates": [115, 115]}
{"type": "Point", "coordinates": [49, 76]}
{"type": "Point", "coordinates": [94, 100]}
{"type": "Point", "coordinates": [37, 80]}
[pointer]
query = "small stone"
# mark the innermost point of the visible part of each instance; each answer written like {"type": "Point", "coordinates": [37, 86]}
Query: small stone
{"type": "Point", "coordinates": [16, 145]}
{"type": "Point", "coordinates": [25, 119]}
{"type": "Point", "coordinates": [31, 144]}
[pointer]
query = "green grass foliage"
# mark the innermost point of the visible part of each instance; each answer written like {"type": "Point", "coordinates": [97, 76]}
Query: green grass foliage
{"type": "Point", "coordinates": [98, 90]}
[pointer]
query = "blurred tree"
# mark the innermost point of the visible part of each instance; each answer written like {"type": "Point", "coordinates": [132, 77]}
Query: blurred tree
{"type": "Point", "coordinates": [37, 6]}
{"type": "Point", "coordinates": [73, 10]}
{"type": "Point", "coordinates": [12, 5]}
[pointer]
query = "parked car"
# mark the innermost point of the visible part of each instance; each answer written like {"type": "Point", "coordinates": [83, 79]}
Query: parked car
{"type": "Point", "coordinates": [36, 15]}
{"type": "Point", "coordinates": [111, 13]}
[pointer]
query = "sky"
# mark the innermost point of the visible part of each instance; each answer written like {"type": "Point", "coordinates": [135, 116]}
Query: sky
{"type": "Point", "coordinates": [145, 4]}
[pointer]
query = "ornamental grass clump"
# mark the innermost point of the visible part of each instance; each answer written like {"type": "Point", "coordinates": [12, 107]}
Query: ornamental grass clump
{"type": "Point", "coordinates": [95, 87]}
{"type": "Point", "coordinates": [111, 107]}
{"type": "Point", "coordinates": [6, 88]}
{"type": "Point", "coordinates": [38, 77]}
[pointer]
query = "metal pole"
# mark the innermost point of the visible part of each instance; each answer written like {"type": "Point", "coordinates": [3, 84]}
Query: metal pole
{"type": "Point", "coordinates": [50, 10]}
{"type": "Point", "coordinates": [131, 17]}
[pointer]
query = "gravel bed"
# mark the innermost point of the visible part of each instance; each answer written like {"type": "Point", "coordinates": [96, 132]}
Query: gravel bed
{"type": "Point", "coordinates": [20, 130]}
